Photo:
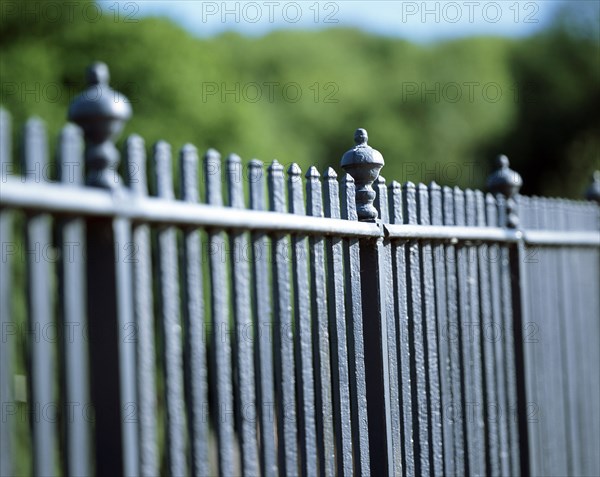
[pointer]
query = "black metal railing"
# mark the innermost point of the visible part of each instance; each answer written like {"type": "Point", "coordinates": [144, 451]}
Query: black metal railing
{"type": "Point", "coordinates": [365, 329]}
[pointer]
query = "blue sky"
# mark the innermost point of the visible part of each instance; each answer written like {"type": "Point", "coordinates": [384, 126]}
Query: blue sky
{"type": "Point", "coordinates": [420, 21]}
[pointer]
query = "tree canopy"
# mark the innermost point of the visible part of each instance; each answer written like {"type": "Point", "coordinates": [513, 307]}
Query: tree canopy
{"type": "Point", "coordinates": [439, 112]}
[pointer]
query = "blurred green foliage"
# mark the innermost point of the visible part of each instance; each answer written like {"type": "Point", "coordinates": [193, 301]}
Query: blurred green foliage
{"type": "Point", "coordinates": [436, 112]}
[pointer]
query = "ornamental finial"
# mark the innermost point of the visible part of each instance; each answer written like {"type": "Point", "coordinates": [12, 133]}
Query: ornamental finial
{"type": "Point", "coordinates": [101, 112]}
{"type": "Point", "coordinates": [507, 182]}
{"type": "Point", "coordinates": [363, 163]}
{"type": "Point", "coordinates": [593, 191]}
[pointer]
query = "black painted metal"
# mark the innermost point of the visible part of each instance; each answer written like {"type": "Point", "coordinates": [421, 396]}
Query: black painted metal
{"type": "Point", "coordinates": [283, 341]}
{"type": "Point", "coordinates": [243, 349]}
{"type": "Point", "coordinates": [263, 337]}
{"type": "Point", "coordinates": [144, 316]}
{"type": "Point", "coordinates": [381, 204]}
{"type": "Point", "coordinates": [320, 329]}
{"type": "Point", "coordinates": [74, 355]}
{"type": "Point", "coordinates": [430, 337]}
{"type": "Point", "coordinates": [196, 378]}
{"type": "Point", "coordinates": [451, 336]}
{"type": "Point", "coordinates": [455, 412]}
{"type": "Point", "coordinates": [220, 326]}
{"type": "Point", "coordinates": [337, 330]}
{"type": "Point", "coordinates": [354, 323]}
{"type": "Point", "coordinates": [170, 318]}
{"type": "Point", "coordinates": [418, 344]}
{"type": "Point", "coordinates": [402, 332]}
{"type": "Point", "coordinates": [303, 343]}
{"type": "Point", "coordinates": [440, 333]}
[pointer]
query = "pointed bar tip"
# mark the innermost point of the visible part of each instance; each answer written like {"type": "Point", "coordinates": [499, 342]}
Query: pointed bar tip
{"type": "Point", "coordinates": [312, 173]}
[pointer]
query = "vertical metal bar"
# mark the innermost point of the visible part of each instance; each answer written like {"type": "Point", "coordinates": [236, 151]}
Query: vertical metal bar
{"type": "Point", "coordinates": [552, 349]}
{"type": "Point", "coordinates": [490, 394]}
{"type": "Point", "coordinates": [430, 337]}
{"type": "Point", "coordinates": [529, 258]}
{"type": "Point", "coordinates": [571, 360]}
{"type": "Point", "coordinates": [579, 311]}
{"type": "Point", "coordinates": [452, 335]}
{"type": "Point", "coordinates": [381, 204]}
{"type": "Point", "coordinates": [418, 350]}
{"type": "Point", "coordinates": [111, 326]}
{"type": "Point", "coordinates": [126, 348]}
{"type": "Point", "coordinates": [170, 308]}
{"type": "Point", "coordinates": [337, 328]}
{"type": "Point", "coordinates": [498, 409]}
{"type": "Point", "coordinates": [193, 320]}
{"type": "Point", "coordinates": [283, 329]}
{"type": "Point", "coordinates": [442, 321]}
{"type": "Point", "coordinates": [320, 330]}
{"type": "Point", "coordinates": [6, 318]}
{"type": "Point", "coordinates": [515, 312]}
{"type": "Point", "coordinates": [472, 347]}
{"type": "Point", "coordinates": [143, 312]}
{"type": "Point", "coordinates": [39, 303]}
{"type": "Point", "coordinates": [262, 327]}
{"type": "Point", "coordinates": [243, 324]}
{"type": "Point", "coordinates": [373, 299]}
{"type": "Point", "coordinates": [402, 332]}
{"type": "Point", "coordinates": [358, 385]}
{"type": "Point", "coordinates": [220, 325]}
{"type": "Point", "coordinates": [304, 357]}
{"type": "Point", "coordinates": [72, 316]}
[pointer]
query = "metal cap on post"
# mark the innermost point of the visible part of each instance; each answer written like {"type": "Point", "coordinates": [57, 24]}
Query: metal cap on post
{"type": "Point", "coordinates": [507, 182]}
{"type": "Point", "coordinates": [101, 112]}
{"type": "Point", "coordinates": [363, 163]}
{"type": "Point", "coordinates": [593, 191]}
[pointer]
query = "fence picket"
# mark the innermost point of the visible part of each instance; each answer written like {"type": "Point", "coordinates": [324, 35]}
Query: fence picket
{"type": "Point", "coordinates": [144, 317]}
{"type": "Point", "coordinates": [418, 350]}
{"type": "Point", "coordinates": [452, 335]}
{"type": "Point", "coordinates": [491, 416]}
{"type": "Point", "coordinates": [472, 352]}
{"type": "Point", "coordinates": [430, 336]}
{"type": "Point", "coordinates": [170, 318]}
{"type": "Point", "coordinates": [220, 370]}
{"type": "Point", "coordinates": [243, 348]}
{"type": "Point", "coordinates": [403, 339]}
{"type": "Point", "coordinates": [304, 372]}
{"type": "Point", "coordinates": [72, 309]}
{"type": "Point", "coordinates": [441, 321]}
{"type": "Point", "coordinates": [358, 385]}
{"type": "Point", "coordinates": [382, 206]}
{"type": "Point", "coordinates": [320, 329]}
{"type": "Point", "coordinates": [262, 334]}
{"type": "Point", "coordinates": [39, 302]}
{"type": "Point", "coordinates": [495, 367]}
{"type": "Point", "coordinates": [337, 328]}
{"type": "Point", "coordinates": [285, 381]}
{"type": "Point", "coordinates": [196, 374]}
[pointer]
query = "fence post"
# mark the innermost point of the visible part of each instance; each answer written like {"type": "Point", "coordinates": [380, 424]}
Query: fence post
{"type": "Point", "coordinates": [507, 183]}
{"type": "Point", "coordinates": [363, 163]}
{"type": "Point", "coordinates": [101, 113]}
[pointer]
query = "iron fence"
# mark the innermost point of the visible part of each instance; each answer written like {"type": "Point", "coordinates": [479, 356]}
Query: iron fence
{"type": "Point", "coordinates": [335, 326]}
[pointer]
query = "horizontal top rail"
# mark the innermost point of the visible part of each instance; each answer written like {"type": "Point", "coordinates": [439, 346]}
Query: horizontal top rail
{"type": "Point", "coordinates": [86, 201]}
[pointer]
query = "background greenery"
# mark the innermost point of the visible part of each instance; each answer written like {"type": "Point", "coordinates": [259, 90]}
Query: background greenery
{"type": "Point", "coordinates": [546, 118]}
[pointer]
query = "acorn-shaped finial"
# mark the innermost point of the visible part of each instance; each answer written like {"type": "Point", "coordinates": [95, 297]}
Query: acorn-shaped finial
{"type": "Point", "coordinates": [593, 191]}
{"type": "Point", "coordinates": [363, 163]}
{"type": "Point", "coordinates": [507, 182]}
{"type": "Point", "coordinates": [101, 112]}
